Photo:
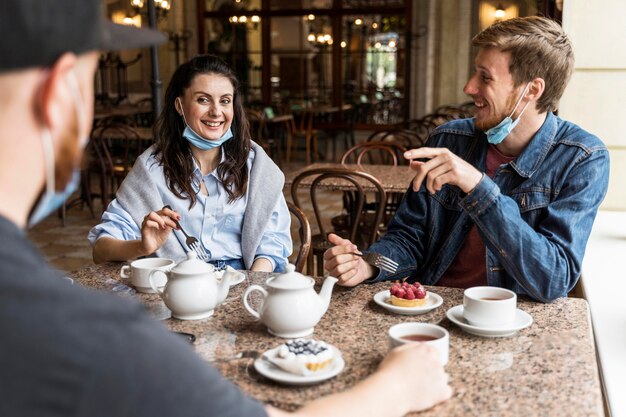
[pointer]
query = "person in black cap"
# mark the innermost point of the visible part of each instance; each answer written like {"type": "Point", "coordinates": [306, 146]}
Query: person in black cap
{"type": "Point", "coordinates": [64, 349]}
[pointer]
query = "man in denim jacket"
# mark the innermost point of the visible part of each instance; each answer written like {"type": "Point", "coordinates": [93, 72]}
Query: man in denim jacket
{"type": "Point", "coordinates": [507, 198]}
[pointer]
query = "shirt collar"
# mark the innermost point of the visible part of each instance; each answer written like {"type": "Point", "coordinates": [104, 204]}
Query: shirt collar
{"type": "Point", "coordinates": [533, 156]}
{"type": "Point", "coordinates": [198, 173]}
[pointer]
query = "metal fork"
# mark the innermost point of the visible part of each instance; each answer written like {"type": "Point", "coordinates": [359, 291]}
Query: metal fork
{"type": "Point", "coordinates": [379, 261]}
{"type": "Point", "coordinates": [192, 242]}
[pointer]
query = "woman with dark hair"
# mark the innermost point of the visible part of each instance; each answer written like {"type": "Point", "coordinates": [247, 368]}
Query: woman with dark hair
{"type": "Point", "coordinates": [220, 186]}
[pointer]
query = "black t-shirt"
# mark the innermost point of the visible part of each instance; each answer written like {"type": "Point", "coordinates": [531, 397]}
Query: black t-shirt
{"type": "Point", "coordinates": [69, 351]}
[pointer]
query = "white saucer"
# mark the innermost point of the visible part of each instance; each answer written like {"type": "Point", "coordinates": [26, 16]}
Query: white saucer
{"type": "Point", "coordinates": [233, 281]}
{"type": "Point", "coordinates": [522, 320]}
{"type": "Point", "coordinates": [382, 298]}
{"type": "Point", "coordinates": [273, 372]}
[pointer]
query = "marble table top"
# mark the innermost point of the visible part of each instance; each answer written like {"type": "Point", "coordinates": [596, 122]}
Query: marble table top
{"type": "Point", "coordinates": [548, 369]}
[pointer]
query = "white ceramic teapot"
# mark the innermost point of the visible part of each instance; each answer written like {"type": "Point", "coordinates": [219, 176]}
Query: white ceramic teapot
{"type": "Point", "coordinates": [192, 291]}
{"type": "Point", "coordinates": [290, 306]}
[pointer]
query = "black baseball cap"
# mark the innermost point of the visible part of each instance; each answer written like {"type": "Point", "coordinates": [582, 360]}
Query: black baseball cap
{"type": "Point", "coordinates": [34, 33]}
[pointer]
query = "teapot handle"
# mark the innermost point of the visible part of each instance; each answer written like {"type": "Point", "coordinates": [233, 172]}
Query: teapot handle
{"type": "Point", "coordinates": [154, 287]}
{"type": "Point", "coordinates": [247, 305]}
{"type": "Point", "coordinates": [124, 272]}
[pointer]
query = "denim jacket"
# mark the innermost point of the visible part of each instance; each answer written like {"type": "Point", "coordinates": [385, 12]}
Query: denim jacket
{"type": "Point", "coordinates": [534, 216]}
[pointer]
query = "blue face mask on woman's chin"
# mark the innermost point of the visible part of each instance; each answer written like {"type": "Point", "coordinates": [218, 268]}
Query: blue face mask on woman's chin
{"type": "Point", "coordinates": [202, 143]}
{"type": "Point", "coordinates": [198, 141]}
{"type": "Point", "coordinates": [498, 133]}
{"type": "Point", "coordinates": [51, 199]}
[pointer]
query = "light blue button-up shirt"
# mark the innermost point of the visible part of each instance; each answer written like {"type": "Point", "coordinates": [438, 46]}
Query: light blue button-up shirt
{"type": "Point", "coordinates": [216, 223]}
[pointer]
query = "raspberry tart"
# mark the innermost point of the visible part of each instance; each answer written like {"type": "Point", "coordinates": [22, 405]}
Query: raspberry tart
{"type": "Point", "coordinates": [408, 295]}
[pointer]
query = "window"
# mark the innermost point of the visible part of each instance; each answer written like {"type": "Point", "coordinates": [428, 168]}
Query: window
{"type": "Point", "coordinates": [315, 52]}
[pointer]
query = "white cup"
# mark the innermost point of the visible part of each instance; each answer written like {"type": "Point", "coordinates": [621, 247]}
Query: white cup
{"type": "Point", "coordinates": [431, 334]}
{"type": "Point", "coordinates": [139, 273]}
{"type": "Point", "coordinates": [489, 306]}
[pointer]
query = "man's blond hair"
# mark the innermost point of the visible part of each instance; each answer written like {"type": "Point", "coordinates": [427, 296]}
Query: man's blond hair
{"type": "Point", "coordinates": [539, 48]}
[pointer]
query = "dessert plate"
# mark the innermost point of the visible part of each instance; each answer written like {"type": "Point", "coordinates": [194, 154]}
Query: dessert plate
{"type": "Point", "coordinates": [233, 281]}
{"type": "Point", "coordinates": [522, 320]}
{"type": "Point", "coordinates": [274, 373]}
{"type": "Point", "coordinates": [383, 298]}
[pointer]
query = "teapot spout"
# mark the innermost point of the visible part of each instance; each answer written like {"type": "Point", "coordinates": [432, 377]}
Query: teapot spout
{"type": "Point", "coordinates": [325, 293]}
{"type": "Point", "coordinates": [222, 289]}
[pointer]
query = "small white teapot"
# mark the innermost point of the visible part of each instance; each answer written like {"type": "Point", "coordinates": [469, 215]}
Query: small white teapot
{"type": "Point", "coordinates": [192, 291]}
{"type": "Point", "coordinates": [291, 308]}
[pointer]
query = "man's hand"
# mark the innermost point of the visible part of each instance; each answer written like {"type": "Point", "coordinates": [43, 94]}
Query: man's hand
{"type": "Point", "coordinates": [156, 228]}
{"type": "Point", "coordinates": [424, 380]}
{"type": "Point", "coordinates": [444, 167]}
{"type": "Point", "coordinates": [340, 263]}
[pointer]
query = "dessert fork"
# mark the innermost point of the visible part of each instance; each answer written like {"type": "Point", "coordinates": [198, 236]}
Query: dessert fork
{"type": "Point", "coordinates": [192, 242]}
{"type": "Point", "coordinates": [379, 261]}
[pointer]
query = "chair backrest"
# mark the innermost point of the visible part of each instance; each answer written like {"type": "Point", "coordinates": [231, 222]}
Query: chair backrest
{"type": "Point", "coordinates": [145, 115]}
{"type": "Point", "coordinates": [115, 119]}
{"type": "Point", "coordinates": [305, 236]}
{"type": "Point", "coordinates": [437, 119]}
{"type": "Point", "coordinates": [379, 152]}
{"type": "Point", "coordinates": [355, 186]}
{"type": "Point", "coordinates": [116, 146]}
{"type": "Point", "coordinates": [409, 139]}
{"type": "Point", "coordinates": [257, 124]}
{"type": "Point", "coordinates": [457, 111]}
{"type": "Point", "coordinates": [302, 122]}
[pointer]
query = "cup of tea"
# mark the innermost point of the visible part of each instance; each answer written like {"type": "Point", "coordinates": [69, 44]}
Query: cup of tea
{"type": "Point", "coordinates": [431, 334]}
{"type": "Point", "coordinates": [489, 306]}
{"type": "Point", "coordinates": [139, 272]}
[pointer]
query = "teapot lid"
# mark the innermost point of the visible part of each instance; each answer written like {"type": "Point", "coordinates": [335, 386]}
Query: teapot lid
{"type": "Point", "coordinates": [290, 280]}
{"type": "Point", "coordinates": [192, 265]}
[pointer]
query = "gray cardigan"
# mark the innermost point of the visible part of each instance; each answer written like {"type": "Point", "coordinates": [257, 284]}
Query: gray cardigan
{"type": "Point", "coordinates": [138, 195]}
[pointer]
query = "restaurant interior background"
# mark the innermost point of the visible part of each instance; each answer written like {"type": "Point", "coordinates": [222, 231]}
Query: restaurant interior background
{"type": "Point", "coordinates": [390, 59]}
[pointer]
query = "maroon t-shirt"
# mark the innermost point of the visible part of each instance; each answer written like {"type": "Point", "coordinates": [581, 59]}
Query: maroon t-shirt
{"type": "Point", "coordinates": [469, 267]}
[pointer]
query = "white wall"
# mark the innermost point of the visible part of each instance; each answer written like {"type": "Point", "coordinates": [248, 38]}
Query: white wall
{"type": "Point", "coordinates": [596, 96]}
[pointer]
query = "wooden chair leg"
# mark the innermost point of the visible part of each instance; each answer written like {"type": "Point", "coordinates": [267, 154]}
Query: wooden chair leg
{"type": "Point", "coordinates": [289, 145]}
{"type": "Point", "coordinates": [309, 263]}
{"type": "Point", "coordinates": [315, 150]}
{"type": "Point", "coordinates": [308, 149]}
{"type": "Point", "coordinates": [86, 192]}
{"type": "Point", "coordinates": [320, 265]}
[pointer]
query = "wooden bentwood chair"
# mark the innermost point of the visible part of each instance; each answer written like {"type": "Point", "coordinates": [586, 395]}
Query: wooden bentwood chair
{"type": "Point", "coordinates": [361, 227]}
{"type": "Point", "coordinates": [383, 153]}
{"type": "Point", "coordinates": [115, 147]}
{"type": "Point", "coordinates": [305, 236]}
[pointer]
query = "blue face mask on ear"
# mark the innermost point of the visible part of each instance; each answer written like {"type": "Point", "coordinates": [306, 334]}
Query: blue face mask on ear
{"type": "Point", "coordinates": [51, 199]}
{"type": "Point", "coordinates": [498, 133]}
{"type": "Point", "coordinates": [197, 140]}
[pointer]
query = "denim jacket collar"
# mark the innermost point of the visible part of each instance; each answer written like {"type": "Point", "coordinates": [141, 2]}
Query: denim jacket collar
{"type": "Point", "coordinates": [532, 157]}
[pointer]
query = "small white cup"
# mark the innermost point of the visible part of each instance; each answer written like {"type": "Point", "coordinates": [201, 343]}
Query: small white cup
{"type": "Point", "coordinates": [139, 273]}
{"type": "Point", "coordinates": [431, 334]}
{"type": "Point", "coordinates": [489, 306]}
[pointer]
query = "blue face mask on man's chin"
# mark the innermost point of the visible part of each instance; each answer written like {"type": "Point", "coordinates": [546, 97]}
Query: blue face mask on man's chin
{"type": "Point", "coordinates": [498, 133]}
{"type": "Point", "coordinates": [52, 199]}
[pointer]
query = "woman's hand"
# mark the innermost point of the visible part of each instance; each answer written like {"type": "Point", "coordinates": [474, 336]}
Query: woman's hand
{"type": "Point", "coordinates": [156, 228]}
